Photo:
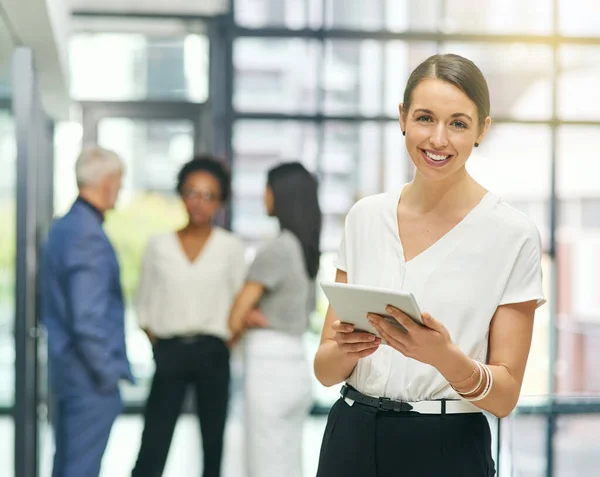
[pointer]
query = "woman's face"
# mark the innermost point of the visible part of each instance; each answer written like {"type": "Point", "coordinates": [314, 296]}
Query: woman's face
{"type": "Point", "coordinates": [441, 129]}
{"type": "Point", "coordinates": [201, 194]}
{"type": "Point", "coordinates": [269, 201]}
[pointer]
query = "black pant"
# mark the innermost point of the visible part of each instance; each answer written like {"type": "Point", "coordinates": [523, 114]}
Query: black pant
{"type": "Point", "coordinates": [361, 441]}
{"type": "Point", "coordinates": [203, 362]}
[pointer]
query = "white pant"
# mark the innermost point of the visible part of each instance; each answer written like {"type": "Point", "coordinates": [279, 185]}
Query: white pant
{"type": "Point", "coordinates": [277, 402]}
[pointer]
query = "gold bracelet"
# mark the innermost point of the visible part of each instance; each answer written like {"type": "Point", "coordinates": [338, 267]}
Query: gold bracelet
{"type": "Point", "coordinates": [470, 376]}
{"type": "Point", "coordinates": [479, 368]}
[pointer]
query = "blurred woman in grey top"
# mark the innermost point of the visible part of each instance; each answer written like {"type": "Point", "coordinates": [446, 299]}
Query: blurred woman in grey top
{"type": "Point", "coordinates": [280, 284]}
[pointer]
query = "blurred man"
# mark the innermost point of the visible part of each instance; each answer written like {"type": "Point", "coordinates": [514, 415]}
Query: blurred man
{"type": "Point", "coordinates": [84, 314]}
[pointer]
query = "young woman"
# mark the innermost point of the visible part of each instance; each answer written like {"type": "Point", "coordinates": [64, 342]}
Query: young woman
{"type": "Point", "coordinates": [413, 407]}
{"type": "Point", "coordinates": [188, 283]}
{"type": "Point", "coordinates": [281, 284]}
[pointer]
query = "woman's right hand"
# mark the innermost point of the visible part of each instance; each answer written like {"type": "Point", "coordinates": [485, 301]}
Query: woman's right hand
{"type": "Point", "coordinates": [355, 344]}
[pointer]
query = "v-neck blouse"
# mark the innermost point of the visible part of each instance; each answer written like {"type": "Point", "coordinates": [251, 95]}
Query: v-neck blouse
{"type": "Point", "coordinates": [179, 297]}
{"type": "Point", "coordinates": [491, 258]}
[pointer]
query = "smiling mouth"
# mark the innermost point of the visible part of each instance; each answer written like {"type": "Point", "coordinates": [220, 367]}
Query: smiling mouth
{"type": "Point", "coordinates": [437, 157]}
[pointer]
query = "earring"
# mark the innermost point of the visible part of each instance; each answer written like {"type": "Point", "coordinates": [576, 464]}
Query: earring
{"type": "Point", "coordinates": [404, 133]}
{"type": "Point", "coordinates": [476, 144]}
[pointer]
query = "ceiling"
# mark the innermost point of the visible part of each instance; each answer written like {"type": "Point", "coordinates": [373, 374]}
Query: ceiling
{"type": "Point", "coordinates": [177, 7]}
{"type": "Point", "coordinates": [45, 31]}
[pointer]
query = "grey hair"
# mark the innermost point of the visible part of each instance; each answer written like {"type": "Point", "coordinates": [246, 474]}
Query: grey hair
{"type": "Point", "coordinates": [94, 163]}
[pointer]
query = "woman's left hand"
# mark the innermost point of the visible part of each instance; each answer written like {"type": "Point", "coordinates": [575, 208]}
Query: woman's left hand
{"type": "Point", "coordinates": [256, 319]}
{"type": "Point", "coordinates": [429, 344]}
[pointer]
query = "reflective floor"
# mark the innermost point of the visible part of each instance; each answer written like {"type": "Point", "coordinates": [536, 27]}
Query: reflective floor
{"type": "Point", "coordinates": [576, 444]}
{"type": "Point", "coordinates": [185, 455]}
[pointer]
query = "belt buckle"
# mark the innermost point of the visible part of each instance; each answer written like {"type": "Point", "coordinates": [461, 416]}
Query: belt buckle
{"type": "Point", "coordinates": [385, 404]}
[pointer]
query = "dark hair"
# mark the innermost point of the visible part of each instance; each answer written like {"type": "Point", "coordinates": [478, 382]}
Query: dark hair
{"type": "Point", "coordinates": [296, 206]}
{"type": "Point", "coordinates": [210, 164]}
{"type": "Point", "coordinates": [456, 70]}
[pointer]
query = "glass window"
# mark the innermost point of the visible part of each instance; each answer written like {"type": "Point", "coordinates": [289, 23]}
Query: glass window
{"type": "Point", "coordinates": [579, 17]}
{"type": "Point", "coordinates": [578, 314]}
{"type": "Point", "coordinates": [402, 15]}
{"type": "Point", "coordinates": [522, 178]}
{"type": "Point", "coordinates": [351, 161]}
{"type": "Point", "coordinates": [153, 151]}
{"type": "Point", "coordinates": [590, 213]}
{"type": "Point", "coordinates": [524, 445]}
{"type": "Point", "coordinates": [258, 146]}
{"type": "Point", "coordinates": [275, 75]}
{"type": "Point", "coordinates": [292, 14]}
{"type": "Point", "coordinates": [4, 89]}
{"type": "Point", "coordinates": [577, 445]}
{"type": "Point", "coordinates": [497, 16]}
{"type": "Point", "coordinates": [358, 14]}
{"type": "Point", "coordinates": [578, 257]}
{"type": "Point", "coordinates": [128, 66]}
{"type": "Point", "coordinates": [397, 168]}
{"type": "Point", "coordinates": [578, 92]}
{"type": "Point", "coordinates": [513, 161]}
{"type": "Point", "coordinates": [352, 77]}
{"type": "Point", "coordinates": [518, 77]}
{"type": "Point", "coordinates": [400, 59]}
{"type": "Point", "coordinates": [578, 170]}
{"type": "Point", "coordinates": [8, 154]}
{"type": "Point", "coordinates": [67, 146]}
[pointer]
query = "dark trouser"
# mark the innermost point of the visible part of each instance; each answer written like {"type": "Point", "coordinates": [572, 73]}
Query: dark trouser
{"type": "Point", "coordinates": [361, 441]}
{"type": "Point", "coordinates": [204, 363]}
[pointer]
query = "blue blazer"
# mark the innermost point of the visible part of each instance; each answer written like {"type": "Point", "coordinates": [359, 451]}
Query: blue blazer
{"type": "Point", "coordinates": [82, 306]}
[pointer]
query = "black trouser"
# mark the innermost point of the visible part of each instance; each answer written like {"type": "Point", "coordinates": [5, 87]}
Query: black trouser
{"type": "Point", "coordinates": [362, 441]}
{"type": "Point", "coordinates": [203, 362]}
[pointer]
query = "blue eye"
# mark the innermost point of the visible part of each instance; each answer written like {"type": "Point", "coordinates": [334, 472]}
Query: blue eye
{"type": "Point", "coordinates": [424, 119]}
{"type": "Point", "coordinates": [459, 125]}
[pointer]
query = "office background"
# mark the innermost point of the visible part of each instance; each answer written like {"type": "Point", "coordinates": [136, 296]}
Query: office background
{"type": "Point", "coordinates": [262, 81]}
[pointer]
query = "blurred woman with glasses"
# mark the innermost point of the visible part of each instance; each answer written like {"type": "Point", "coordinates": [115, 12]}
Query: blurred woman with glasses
{"type": "Point", "coordinates": [281, 284]}
{"type": "Point", "coordinates": [188, 283]}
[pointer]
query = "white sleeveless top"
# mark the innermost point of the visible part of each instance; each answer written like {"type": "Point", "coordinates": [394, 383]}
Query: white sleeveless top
{"type": "Point", "coordinates": [491, 258]}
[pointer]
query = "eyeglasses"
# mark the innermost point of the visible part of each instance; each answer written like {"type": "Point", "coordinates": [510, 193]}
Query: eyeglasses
{"type": "Point", "coordinates": [204, 196]}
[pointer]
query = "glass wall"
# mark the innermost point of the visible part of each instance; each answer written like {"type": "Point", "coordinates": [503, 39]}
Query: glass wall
{"type": "Point", "coordinates": [7, 256]}
{"type": "Point", "coordinates": [133, 66]}
{"type": "Point", "coordinates": [7, 278]}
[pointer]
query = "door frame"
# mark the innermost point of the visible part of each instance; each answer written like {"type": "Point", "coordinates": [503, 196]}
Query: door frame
{"type": "Point", "coordinates": [94, 111]}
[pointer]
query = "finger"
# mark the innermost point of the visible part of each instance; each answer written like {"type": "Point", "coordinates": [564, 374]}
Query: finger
{"type": "Point", "coordinates": [364, 353]}
{"type": "Point", "coordinates": [262, 321]}
{"type": "Point", "coordinates": [390, 328]}
{"type": "Point", "coordinates": [358, 347]}
{"type": "Point", "coordinates": [401, 317]}
{"type": "Point", "coordinates": [356, 337]}
{"type": "Point", "coordinates": [431, 322]}
{"type": "Point", "coordinates": [394, 343]}
{"type": "Point", "coordinates": [340, 327]}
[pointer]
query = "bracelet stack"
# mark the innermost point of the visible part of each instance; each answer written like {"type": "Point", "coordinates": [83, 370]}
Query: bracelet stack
{"type": "Point", "coordinates": [483, 387]}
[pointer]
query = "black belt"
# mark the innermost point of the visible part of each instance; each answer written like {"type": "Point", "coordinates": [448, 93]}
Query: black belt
{"type": "Point", "coordinates": [189, 339]}
{"type": "Point", "coordinates": [381, 403]}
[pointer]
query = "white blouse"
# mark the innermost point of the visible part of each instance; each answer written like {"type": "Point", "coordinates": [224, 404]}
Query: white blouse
{"type": "Point", "coordinates": [491, 258]}
{"type": "Point", "coordinates": [177, 297]}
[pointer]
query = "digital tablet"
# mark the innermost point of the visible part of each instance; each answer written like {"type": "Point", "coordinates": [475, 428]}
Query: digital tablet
{"type": "Point", "coordinates": [351, 304]}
